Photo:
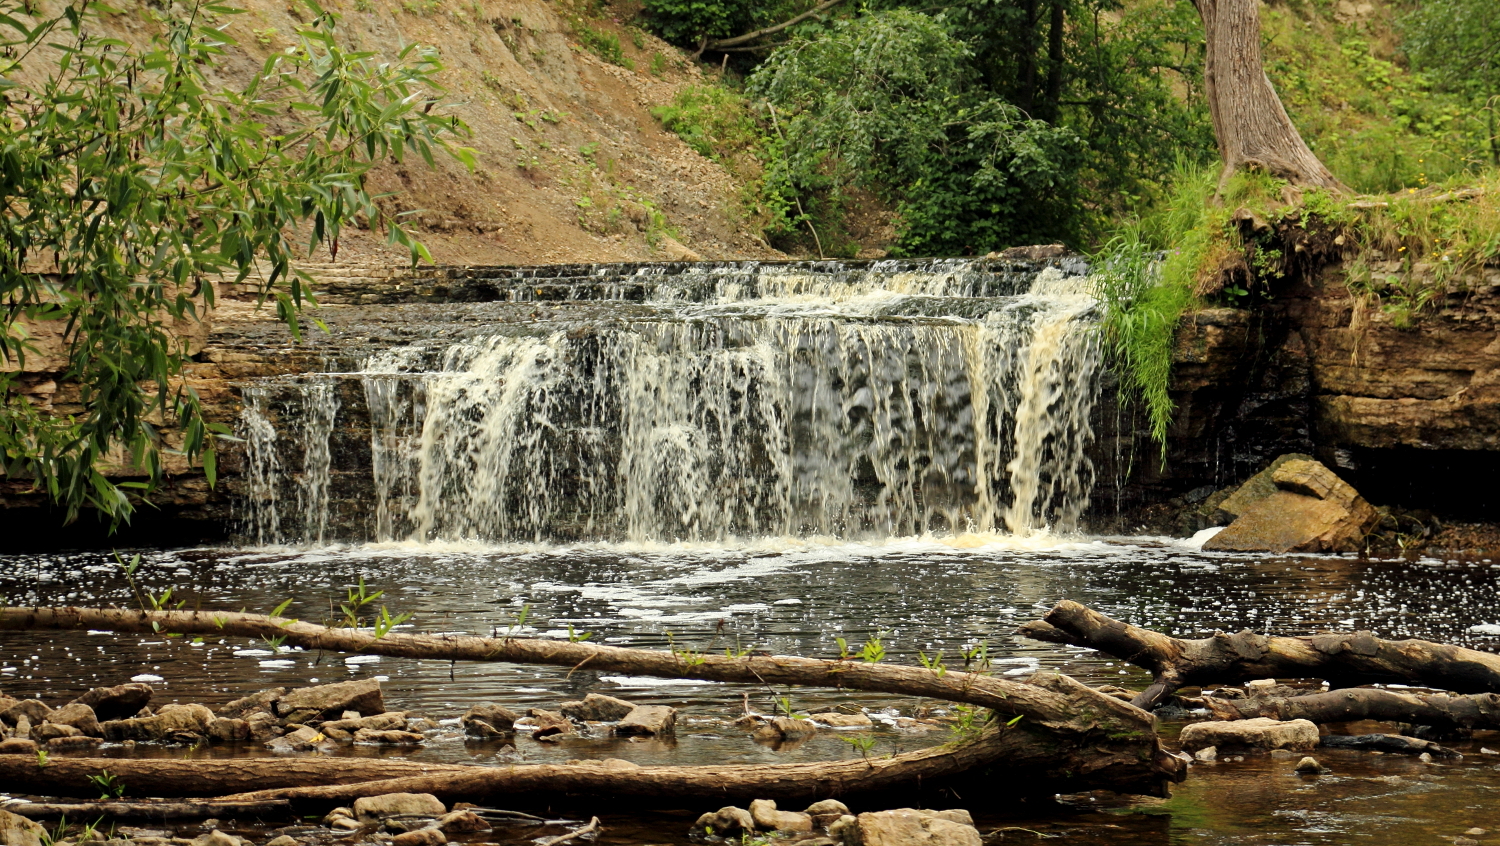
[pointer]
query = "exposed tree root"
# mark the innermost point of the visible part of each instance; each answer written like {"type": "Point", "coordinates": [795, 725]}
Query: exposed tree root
{"type": "Point", "coordinates": [1069, 736]}
{"type": "Point", "coordinates": [1344, 660]}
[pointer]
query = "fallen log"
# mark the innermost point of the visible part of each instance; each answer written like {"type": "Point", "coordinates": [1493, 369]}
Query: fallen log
{"type": "Point", "coordinates": [1399, 744]}
{"type": "Point", "coordinates": [1053, 733]}
{"type": "Point", "coordinates": [158, 810]}
{"type": "Point", "coordinates": [1444, 712]}
{"type": "Point", "coordinates": [1344, 660]}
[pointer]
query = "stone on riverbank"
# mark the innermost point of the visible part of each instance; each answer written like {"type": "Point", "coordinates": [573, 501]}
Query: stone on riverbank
{"type": "Point", "coordinates": [826, 812]}
{"type": "Point", "coordinates": [910, 827]}
{"type": "Point", "coordinates": [79, 716]}
{"type": "Point", "coordinates": [370, 809]}
{"type": "Point", "coordinates": [17, 746]}
{"type": "Point", "coordinates": [653, 720]}
{"type": "Point", "coordinates": [245, 707]}
{"type": "Point", "coordinates": [34, 710]}
{"type": "Point", "coordinates": [726, 820]}
{"type": "Point", "coordinates": [170, 720]}
{"type": "Point", "coordinates": [767, 818]}
{"type": "Point", "coordinates": [1310, 510]}
{"type": "Point", "coordinates": [834, 720]}
{"type": "Point", "coordinates": [597, 707]}
{"type": "Point", "coordinates": [16, 830]}
{"type": "Point", "coordinates": [1260, 733]}
{"type": "Point", "coordinates": [116, 703]}
{"type": "Point", "coordinates": [420, 837]}
{"type": "Point", "coordinates": [327, 701]}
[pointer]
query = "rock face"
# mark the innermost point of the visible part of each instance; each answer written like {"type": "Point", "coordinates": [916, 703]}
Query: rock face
{"type": "Point", "coordinates": [1307, 509]}
{"type": "Point", "coordinates": [909, 827]}
{"type": "Point", "coordinates": [1261, 733]}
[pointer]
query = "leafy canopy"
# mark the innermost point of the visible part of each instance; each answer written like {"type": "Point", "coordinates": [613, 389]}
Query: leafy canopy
{"type": "Point", "coordinates": [131, 184]}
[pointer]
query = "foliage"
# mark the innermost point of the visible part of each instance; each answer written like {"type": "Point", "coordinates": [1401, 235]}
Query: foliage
{"type": "Point", "coordinates": [1458, 42]}
{"type": "Point", "coordinates": [602, 43]}
{"type": "Point", "coordinates": [131, 183]}
{"type": "Point", "coordinates": [689, 23]}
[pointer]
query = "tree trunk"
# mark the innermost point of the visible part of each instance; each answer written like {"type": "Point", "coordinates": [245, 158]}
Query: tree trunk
{"type": "Point", "coordinates": [1445, 713]}
{"type": "Point", "coordinates": [1068, 737]}
{"type": "Point", "coordinates": [1250, 123]}
{"type": "Point", "coordinates": [1344, 660]}
{"type": "Point", "coordinates": [117, 809]}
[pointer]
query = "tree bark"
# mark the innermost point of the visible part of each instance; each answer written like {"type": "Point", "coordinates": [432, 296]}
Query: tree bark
{"type": "Point", "coordinates": [1441, 711]}
{"type": "Point", "coordinates": [1069, 735]}
{"type": "Point", "coordinates": [1250, 123]}
{"type": "Point", "coordinates": [1344, 660]}
{"type": "Point", "coordinates": [150, 810]}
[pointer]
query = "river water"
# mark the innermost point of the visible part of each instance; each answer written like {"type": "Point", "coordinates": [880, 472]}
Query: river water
{"type": "Point", "coordinates": [930, 595]}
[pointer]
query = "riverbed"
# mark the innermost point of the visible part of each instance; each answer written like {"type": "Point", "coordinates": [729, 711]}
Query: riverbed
{"type": "Point", "coordinates": [953, 597]}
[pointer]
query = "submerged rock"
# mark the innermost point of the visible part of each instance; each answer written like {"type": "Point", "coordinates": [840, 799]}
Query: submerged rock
{"type": "Point", "coordinates": [1309, 766]}
{"type": "Point", "coordinates": [1259, 733]}
{"type": "Point", "coordinates": [597, 707]}
{"type": "Point", "coordinates": [1311, 510]}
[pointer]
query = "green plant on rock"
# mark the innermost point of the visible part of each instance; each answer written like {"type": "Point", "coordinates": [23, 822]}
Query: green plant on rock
{"type": "Point", "coordinates": [134, 183]}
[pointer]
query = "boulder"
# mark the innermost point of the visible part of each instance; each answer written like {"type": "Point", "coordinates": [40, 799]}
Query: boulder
{"type": "Point", "coordinates": [34, 710]}
{"type": "Point", "coordinates": [767, 818]}
{"type": "Point", "coordinates": [910, 827]}
{"type": "Point", "coordinates": [549, 723]}
{"type": "Point", "coordinates": [1309, 765]}
{"type": "Point", "coordinates": [16, 830]}
{"type": "Point", "coordinates": [369, 809]}
{"type": "Point", "coordinates": [262, 726]}
{"type": "Point", "coordinates": [116, 703]}
{"type": "Point", "coordinates": [301, 739]}
{"type": "Point", "coordinates": [827, 812]}
{"type": "Point", "coordinates": [1255, 489]}
{"type": "Point", "coordinates": [332, 700]}
{"type": "Point", "coordinates": [79, 716]}
{"type": "Point", "coordinates": [1311, 510]}
{"type": "Point", "coordinates": [228, 730]}
{"type": "Point", "coordinates": [726, 820]}
{"type": "Point", "coordinates": [1260, 733]}
{"type": "Point", "coordinates": [489, 721]}
{"type": "Point", "coordinates": [388, 738]}
{"type": "Point", "coordinates": [47, 731]}
{"type": "Point", "coordinates": [17, 746]}
{"type": "Point", "coordinates": [596, 707]}
{"type": "Point", "coordinates": [421, 837]}
{"type": "Point", "coordinates": [170, 720]}
{"type": "Point", "coordinates": [256, 703]}
{"type": "Point", "coordinates": [835, 720]}
{"type": "Point", "coordinates": [648, 720]}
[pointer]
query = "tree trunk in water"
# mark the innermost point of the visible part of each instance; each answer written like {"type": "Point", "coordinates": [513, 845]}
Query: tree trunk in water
{"type": "Point", "coordinates": [1441, 711]}
{"type": "Point", "coordinates": [1345, 660]}
{"type": "Point", "coordinates": [1069, 736]}
{"type": "Point", "coordinates": [1250, 123]}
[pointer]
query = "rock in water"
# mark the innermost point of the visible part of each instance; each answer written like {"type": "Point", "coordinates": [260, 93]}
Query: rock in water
{"type": "Point", "coordinates": [16, 830]}
{"type": "Point", "coordinates": [79, 716]}
{"type": "Point", "coordinates": [332, 700]}
{"type": "Point", "coordinates": [116, 703]}
{"type": "Point", "coordinates": [189, 719]}
{"type": "Point", "coordinates": [549, 723]}
{"type": "Point", "coordinates": [726, 820]}
{"type": "Point", "coordinates": [489, 721]}
{"type": "Point", "coordinates": [1311, 510]}
{"type": "Point", "coordinates": [376, 808]}
{"type": "Point", "coordinates": [767, 818]}
{"type": "Point", "coordinates": [910, 827]}
{"type": "Point", "coordinates": [1309, 765]}
{"type": "Point", "coordinates": [597, 707]}
{"type": "Point", "coordinates": [1259, 733]}
{"type": "Point", "coordinates": [35, 711]}
{"type": "Point", "coordinates": [648, 720]}
{"type": "Point", "coordinates": [827, 812]}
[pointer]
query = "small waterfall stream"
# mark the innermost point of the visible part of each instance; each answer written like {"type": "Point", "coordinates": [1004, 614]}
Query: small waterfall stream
{"type": "Point", "coordinates": [740, 401]}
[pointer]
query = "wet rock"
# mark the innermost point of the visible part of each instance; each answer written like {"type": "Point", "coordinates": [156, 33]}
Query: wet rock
{"type": "Point", "coordinates": [192, 719]}
{"type": "Point", "coordinates": [1256, 488]}
{"type": "Point", "coordinates": [910, 827]}
{"type": "Point", "coordinates": [842, 829]}
{"type": "Point", "coordinates": [334, 814]}
{"type": "Point", "coordinates": [328, 700]}
{"type": "Point", "coordinates": [16, 830]}
{"type": "Point", "coordinates": [228, 730]}
{"type": "Point", "coordinates": [389, 721]}
{"type": "Point", "coordinates": [826, 812]}
{"type": "Point", "coordinates": [1476, 832]}
{"type": "Point", "coordinates": [217, 838]}
{"type": "Point", "coordinates": [726, 820]}
{"type": "Point", "coordinates": [23, 728]}
{"type": "Point", "coordinates": [282, 840]}
{"type": "Point", "coordinates": [35, 711]}
{"type": "Point", "coordinates": [75, 745]}
{"type": "Point", "coordinates": [378, 808]}
{"type": "Point", "coordinates": [262, 726]}
{"type": "Point", "coordinates": [488, 721]}
{"type": "Point", "coordinates": [549, 723]}
{"type": "Point", "coordinates": [461, 821]}
{"type": "Point", "coordinates": [388, 738]}
{"type": "Point", "coordinates": [844, 720]}
{"type": "Point", "coordinates": [116, 703]}
{"type": "Point", "coordinates": [256, 703]}
{"type": "Point", "coordinates": [1312, 510]}
{"type": "Point", "coordinates": [1309, 765]}
{"type": "Point", "coordinates": [767, 818]}
{"type": "Point", "coordinates": [1259, 733]}
{"type": "Point", "coordinates": [596, 707]}
{"type": "Point", "coordinates": [302, 739]}
{"type": "Point", "coordinates": [79, 716]}
{"type": "Point", "coordinates": [655, 720]}
{"type": "Point", "coordinates": [1207, 753]}
{"type": "Point", "coordinates": [421, 837]}
{"type": "Point", "coordinates": [17, 746]}
{"type": "Point", "coordinates": [48, 731]}
{"type": "Point", "coordinates": [1396, 743]}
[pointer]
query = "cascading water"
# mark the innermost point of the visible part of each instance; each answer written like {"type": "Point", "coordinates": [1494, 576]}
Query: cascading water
{"type": "Point", "coordinates": [740, 401]}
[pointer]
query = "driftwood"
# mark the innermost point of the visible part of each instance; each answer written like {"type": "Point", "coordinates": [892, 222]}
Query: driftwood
{"type": "Point", "coordinates": [593, 825]}
{"type": "Point", "coordinates": [1068, 736]}
{"type": "Point", "coordinates": [1443, 712]}
{"type": "Point", "coordinates": [1399, 744]}
{"type": "Point", "coordinates": [1344, 660]}
{"type": "Point", "coordinates": [177, 810]}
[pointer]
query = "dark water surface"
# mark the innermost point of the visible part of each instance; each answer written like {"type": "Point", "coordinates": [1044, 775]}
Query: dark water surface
{"type": "Point", "coordinates": [797, 598]}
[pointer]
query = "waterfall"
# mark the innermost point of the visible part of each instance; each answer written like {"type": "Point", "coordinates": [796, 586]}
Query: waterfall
{"type": "Point", "coordinates": [811, 399]}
